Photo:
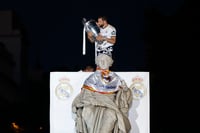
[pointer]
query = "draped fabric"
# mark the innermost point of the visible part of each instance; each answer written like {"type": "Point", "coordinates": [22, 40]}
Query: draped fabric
{"type": "Point", "coordinates": [102, 113]}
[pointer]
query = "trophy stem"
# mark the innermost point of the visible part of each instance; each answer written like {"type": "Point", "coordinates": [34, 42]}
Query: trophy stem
{"type": "Point", "coordinates": [84, 41]}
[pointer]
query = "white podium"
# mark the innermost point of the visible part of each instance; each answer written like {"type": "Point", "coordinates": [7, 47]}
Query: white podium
{"type": "Point", "coordinates": [65, 86]}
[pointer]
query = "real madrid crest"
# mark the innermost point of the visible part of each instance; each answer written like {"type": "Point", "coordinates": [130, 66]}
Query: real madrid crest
{"type": "Point", "coordinates": [138, 88]}
{"type": "Point", "coordinates": [63, 90]}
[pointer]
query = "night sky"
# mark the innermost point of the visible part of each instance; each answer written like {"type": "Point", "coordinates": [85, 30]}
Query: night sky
{"type": "Point", "coordinates": [152, 35]}
{"type": "Point", "coordinates": [53, 31]}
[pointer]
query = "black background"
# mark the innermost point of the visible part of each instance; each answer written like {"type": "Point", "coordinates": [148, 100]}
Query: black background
{"type": "Point", "coordinates": [155, 36]}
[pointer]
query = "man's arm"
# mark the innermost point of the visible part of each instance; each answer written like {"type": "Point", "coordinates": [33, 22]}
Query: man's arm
{"type": "Point", "coordinates": [110, 40]}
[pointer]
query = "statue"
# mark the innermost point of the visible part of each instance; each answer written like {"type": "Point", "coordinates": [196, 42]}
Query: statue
{"type": "Point", "coordinates": [103, 102]}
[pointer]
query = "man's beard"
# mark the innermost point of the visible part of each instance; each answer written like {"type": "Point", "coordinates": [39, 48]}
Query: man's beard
{"type": "Point", "coordinates": [101, 26]}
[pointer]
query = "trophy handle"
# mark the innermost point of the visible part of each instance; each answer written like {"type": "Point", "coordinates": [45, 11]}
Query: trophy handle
{"type": "Point", "coordinates": [84, 20]}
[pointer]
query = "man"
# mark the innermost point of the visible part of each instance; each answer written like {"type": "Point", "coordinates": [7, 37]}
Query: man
{"type": "Point", "coordinates": [104, 101]}
{"type": "Point", "coordinates": [106, 39]}
{"type": "Point", "coordinates": [88, 68]}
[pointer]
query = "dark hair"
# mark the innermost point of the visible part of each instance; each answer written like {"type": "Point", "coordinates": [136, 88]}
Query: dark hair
{"type": "Point", "coordinates": [88, 68]}
{"type": "Point", "coordinates": [103, 18]}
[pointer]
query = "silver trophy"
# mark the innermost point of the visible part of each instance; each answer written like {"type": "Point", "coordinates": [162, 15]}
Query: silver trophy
{"type": "Point", "coordinates": [91, 26]}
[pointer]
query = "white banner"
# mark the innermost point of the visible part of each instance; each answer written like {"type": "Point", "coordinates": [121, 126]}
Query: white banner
{"type": "Point", "coordinates": [65, 86]}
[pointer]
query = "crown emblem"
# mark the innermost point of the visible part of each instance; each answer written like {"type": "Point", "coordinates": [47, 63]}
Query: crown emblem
{"type": "Point", "coordinates": [137, 79]}
{"type": "Point", "coordinates": [138, 88]}
{"type": "Point", "coordinates": [64, 80]}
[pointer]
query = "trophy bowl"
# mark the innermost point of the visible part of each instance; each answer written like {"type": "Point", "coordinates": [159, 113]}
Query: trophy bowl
{"type": "Point", "coordinates": [91, 26]}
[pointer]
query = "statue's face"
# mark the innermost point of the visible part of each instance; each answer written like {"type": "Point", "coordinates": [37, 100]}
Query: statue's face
{"type": "Point", "coordinates": [104, 62]}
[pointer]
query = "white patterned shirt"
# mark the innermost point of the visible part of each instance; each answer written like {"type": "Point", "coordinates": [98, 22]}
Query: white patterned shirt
{"type": "Point", "coordinates": [105, 47]}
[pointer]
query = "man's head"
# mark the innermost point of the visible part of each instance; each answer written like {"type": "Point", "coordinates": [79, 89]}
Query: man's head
{"type": "Point", "coordinates": [102, 21]}
{"type": "Point", "coordinates": [104, 61]}
{"type": "Point", "coordinates": [89, 68]}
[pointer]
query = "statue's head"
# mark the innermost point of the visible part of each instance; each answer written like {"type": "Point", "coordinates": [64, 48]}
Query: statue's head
{"type": "Point", "coordinates": [103, 61]}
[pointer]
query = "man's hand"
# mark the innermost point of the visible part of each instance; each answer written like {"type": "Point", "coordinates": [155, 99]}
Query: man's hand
{"type": "Point", "coordinates": [100, 38]}
{"type": "Point", "coordinates": [90, 37]}
{"type": "Point", "coordinates": [90, 34]}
